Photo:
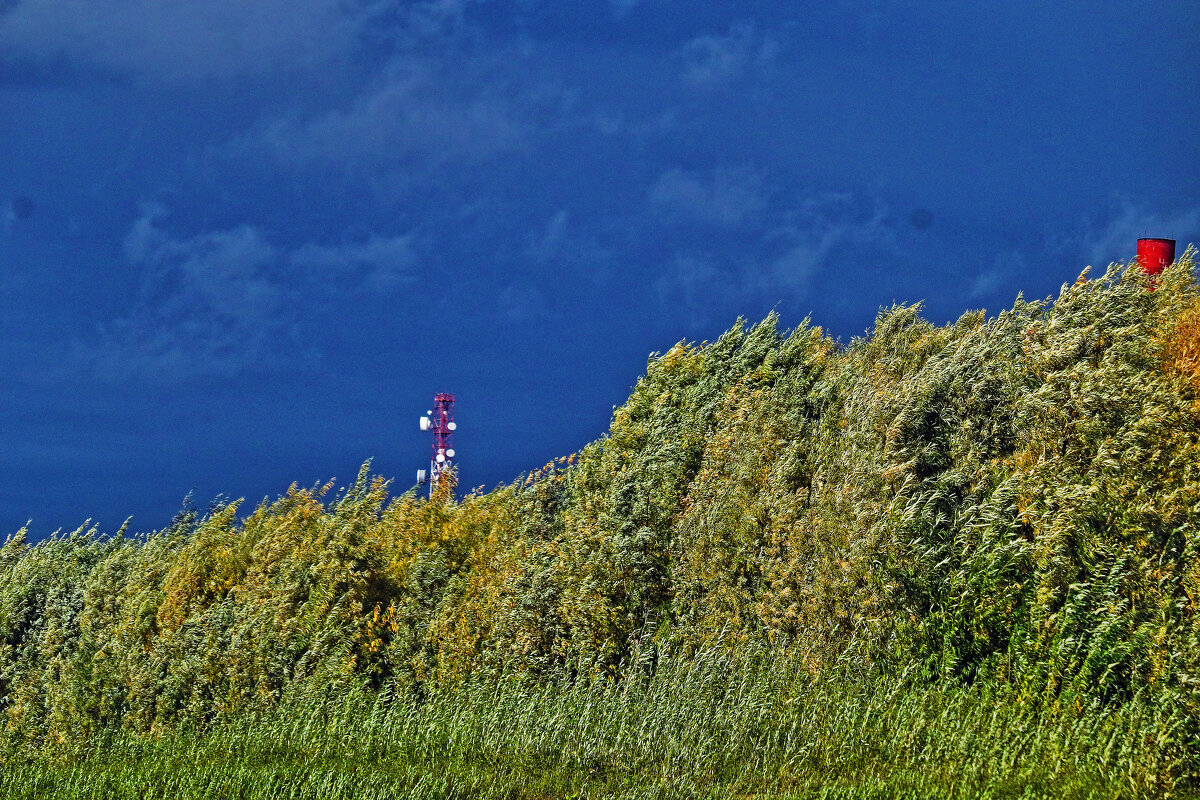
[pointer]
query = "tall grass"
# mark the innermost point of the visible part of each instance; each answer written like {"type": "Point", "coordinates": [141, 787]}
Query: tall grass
{"type": "Point", "coordinates": [707, 726]}
{"type": "Point", "coordinates": [978, 542]}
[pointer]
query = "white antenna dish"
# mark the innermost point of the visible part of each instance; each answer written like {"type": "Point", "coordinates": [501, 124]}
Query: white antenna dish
{"type": "Point", "coordinates": [424, 423]}
{"type": "Point", "coordinates": [452, 426]}
{"type": "Point", "coordinates": [450, 453]}
{"type": "Point", "coordinates": [421, 475]}
{"type": "Point", "coordinates": [440, 458]}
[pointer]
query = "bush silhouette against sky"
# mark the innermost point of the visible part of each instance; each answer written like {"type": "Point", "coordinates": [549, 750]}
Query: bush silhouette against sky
{"type": "Point", "coordinates": [243, 244]}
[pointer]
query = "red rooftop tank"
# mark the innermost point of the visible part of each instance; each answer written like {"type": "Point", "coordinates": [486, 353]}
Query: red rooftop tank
{"type": "Point", "coordinates": [1155, 255]}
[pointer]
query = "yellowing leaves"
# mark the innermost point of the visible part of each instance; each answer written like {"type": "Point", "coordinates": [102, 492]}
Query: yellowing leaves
{"type": "Point", "coordinates": [1017, 494]}
{"type": "Point", "coordinates": [1181, 348]}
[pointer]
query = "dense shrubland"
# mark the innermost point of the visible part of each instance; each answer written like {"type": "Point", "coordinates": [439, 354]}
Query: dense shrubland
{"type": "Point", "coordinates": [1005, 509]}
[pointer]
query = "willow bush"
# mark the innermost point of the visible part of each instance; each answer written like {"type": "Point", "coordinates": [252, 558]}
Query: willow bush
{"type": "Point", "coordinates": [1008, 501]}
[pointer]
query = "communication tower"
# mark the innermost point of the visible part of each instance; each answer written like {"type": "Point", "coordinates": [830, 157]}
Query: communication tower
{"type": "Point", "coordinates": [440, 421]}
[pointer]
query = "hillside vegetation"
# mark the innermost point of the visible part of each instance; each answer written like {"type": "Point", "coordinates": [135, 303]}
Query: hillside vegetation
{"type": "Point", "coordinates": [958, 559]}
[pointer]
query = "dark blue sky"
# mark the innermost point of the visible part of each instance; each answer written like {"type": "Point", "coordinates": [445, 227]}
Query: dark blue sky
{"type": "Point", "coordinates": [243, 243]}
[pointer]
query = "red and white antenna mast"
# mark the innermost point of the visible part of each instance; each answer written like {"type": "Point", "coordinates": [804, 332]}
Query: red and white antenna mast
{"type": "Point", "coordinates": [441, 422]}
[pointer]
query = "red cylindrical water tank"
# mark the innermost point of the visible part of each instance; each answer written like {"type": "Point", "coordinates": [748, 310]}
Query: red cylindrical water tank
{"type": "Point", "coordinates": [1155, 255]}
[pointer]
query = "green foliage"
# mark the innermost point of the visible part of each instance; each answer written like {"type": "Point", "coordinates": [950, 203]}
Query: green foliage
{"type": "Point", "coordinates": [710, 724]}
{"type": "Point", "coordinates": [1002, 507]}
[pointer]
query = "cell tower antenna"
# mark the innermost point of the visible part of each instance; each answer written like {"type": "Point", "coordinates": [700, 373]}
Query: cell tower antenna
{"type": "Point", "coordinates": [440, 421]}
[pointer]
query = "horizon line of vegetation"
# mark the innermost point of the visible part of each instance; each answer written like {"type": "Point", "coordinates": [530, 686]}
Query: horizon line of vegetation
{"type": "Point", "coordinates": [1002, 507]}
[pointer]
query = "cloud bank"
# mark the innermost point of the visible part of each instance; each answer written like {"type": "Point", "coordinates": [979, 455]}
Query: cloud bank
{"type": "Point", "coordinates": [219, 303]}
{"type": "Point", "coordinates": [168, 40]}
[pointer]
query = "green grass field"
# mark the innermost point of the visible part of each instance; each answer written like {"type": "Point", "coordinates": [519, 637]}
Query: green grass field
{"type": "Point", "coordinates": [702, 728]}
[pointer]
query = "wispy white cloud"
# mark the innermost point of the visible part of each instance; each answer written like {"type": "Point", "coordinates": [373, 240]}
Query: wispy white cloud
{"type": "Point", "coordinates": [687, 285]}
{"type": "Point", "coordinates": [1116, 240]}
{"type": "Point", "coordinates": [573, 249]}
{"type": "Point", "coordinates": [623, 7]}
{"type": "Point", "coordinates": [429, 18]}
{"type": "Point", "coordinates": [521, 302]}
{"type": "Point", "coordinates": [173, 41]}
{"type": "Point", "coordinates": [379, 265]}
{"type": "Point", "coordinates": [548, 242]}
{"type": "Point", "coordinates": [208, 306]}
{"type": "Point", "coordinates": [420, 111]}
{"type": "Point", "coordinates": [726, 196]}
{"type": "Point", "coordinates": [810, 233]}
{"type": "Point", "coordinates": [1003, 273]}
{"type": "Point", "coordinates": [792, 246]}
{"type": "Point", "coordinates": [715, 61]}
{"type": "Point", "coordinates": [215, 304]}
{"type": "Point", "coordinates": [869, 13]}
